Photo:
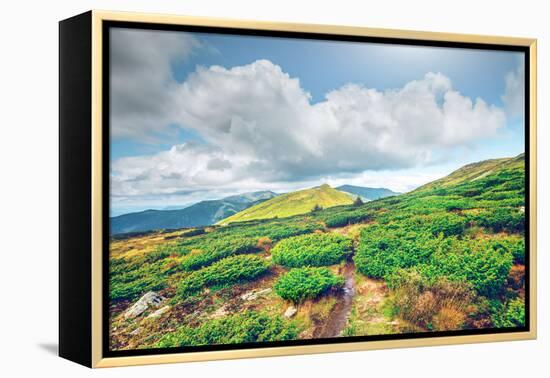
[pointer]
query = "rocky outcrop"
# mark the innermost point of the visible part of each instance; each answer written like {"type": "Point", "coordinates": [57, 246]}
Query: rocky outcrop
{"type": "Point", "coordinates": [148, 300]}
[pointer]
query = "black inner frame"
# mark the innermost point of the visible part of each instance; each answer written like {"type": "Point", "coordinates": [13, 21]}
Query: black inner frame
{"type": "Point", "coordinates": [107, 25]}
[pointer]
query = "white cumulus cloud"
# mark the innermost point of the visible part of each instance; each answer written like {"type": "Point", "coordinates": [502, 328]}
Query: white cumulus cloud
{"type": "Point", "coordinates": [141, 79]}
{"type": "Point", "coordinates": [260, 126]}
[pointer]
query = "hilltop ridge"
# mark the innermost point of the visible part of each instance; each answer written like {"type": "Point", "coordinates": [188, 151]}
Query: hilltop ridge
{"type": "Point", "coordinates": [293, 203]}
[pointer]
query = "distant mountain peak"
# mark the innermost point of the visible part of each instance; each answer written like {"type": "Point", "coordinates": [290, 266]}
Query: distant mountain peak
{"type": "Point", "coordinates": [367, 193]}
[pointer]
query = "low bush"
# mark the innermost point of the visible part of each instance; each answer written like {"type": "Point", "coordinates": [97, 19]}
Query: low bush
{"type": "Point", "coordinates": [347, 218]}
{"type": "Point", "coordinates": [502, 219]}
{"type": "Point", "coordinates": [485, 264]}
{"type": "Point", "coordinates": [229, 271]}
{"type": "Point", "coordinates": [384, 249]}
{"type": "Point", "coordinates": [246, 327]}
{"type": "Point", "coordinates": [515, 245]}
{"type": "Point", "coordinates": [131, 278]}
{"type": "Point", "coordinates": [447, 224]}
{"type": "Point", "coordinates": [316, 208]}
{"type": "Point", "coordinates": [217, 250]}
{"type": "Point", "coordinates": [311, 250]}
{"type": "Point", "coordinates": [511, 315]}
{"type": "Point", "coordinates": [135, 288]}
{"type": "Point", "coordinates": [300, 284]}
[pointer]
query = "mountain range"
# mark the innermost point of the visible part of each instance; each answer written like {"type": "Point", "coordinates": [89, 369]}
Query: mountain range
{"type": "Point", "coordinates": [203, 213]}
{"type": "Point", "coordinates": [243, 207]}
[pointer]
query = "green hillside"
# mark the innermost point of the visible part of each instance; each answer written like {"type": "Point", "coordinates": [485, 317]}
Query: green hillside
{"type": "Point", "coordinates": [294, 203]}
{"type": "Point", "coordinates": [448, 256]}
{"type": "Point", "coordinates": [476, 171]}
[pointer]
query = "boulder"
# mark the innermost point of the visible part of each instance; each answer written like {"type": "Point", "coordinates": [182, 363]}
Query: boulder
{"type": "Point", "coordinates": [148, 300]}
{"type": "Point", "coordinates": [290, 312]}
{"type": "Point", "coordinates": [253, 295]}
{"type": "Point", "coordinates": [159, 312]}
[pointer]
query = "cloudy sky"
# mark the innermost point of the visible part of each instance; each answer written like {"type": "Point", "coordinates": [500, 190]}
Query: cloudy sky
{"type": "Point", "coordinates": [202, 116]}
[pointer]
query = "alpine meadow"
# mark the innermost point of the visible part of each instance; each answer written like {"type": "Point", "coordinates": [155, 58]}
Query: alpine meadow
{"type": "Point", "coordinates": [259, 197]}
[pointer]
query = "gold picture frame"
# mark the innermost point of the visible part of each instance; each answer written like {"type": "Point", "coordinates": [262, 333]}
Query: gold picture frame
{"type": "Point", "coordinates": [92, 354]}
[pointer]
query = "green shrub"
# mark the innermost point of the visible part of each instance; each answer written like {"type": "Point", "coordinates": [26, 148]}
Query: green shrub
{"type": "Point", "coordinates": [384, 249]}
{"type": "Point", "coordinates": [513, 315]}
{"type": "Point", "coordinates": [515, 245]}
{"type": "Point", "coordinates": [311, 250]}
{"type": "Point", "coordinates": [502, 219]}
{"type": "Point", "coordinates": [316, 208]}
{"type": "Point", "coordinates": [229, 271]}
{"type": "Point", "coordinates": [300, 284]}
{"type": "Point", "coordinates": [447, 224]}
{"type": "Point", "coordinates": [518, 251]}
{"type": "Point", "coordinates": [246, 327]}
{"type": "Point", "coordinates": [135, 288]}
{"type": "Point", "coordinates": [131, 278]}
{"type": "Point", "coordinates": [484, 264]}
{"type": "Point", "coordinates": [344, 219]}
{"type": "Point", "coordinates": [217, 250]}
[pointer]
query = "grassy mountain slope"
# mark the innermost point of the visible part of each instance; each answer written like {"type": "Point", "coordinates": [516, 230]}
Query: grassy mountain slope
{"type": "Point", "coordinates": [200, 214]}
{"type": "Point", "coordinates": [368, 194]}
{"type": "Point", "coordinates": [294, 203]}
{"type": "Point", "coordinates": [476, 171]}
{"type": "Point", "coordinates": [447, 256]}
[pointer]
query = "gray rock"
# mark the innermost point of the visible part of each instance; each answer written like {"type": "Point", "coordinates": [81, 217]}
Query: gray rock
{"type": "Point", "coordinates": [253, 295]}
{"type": "Point", "coordinates": [159, 312]}
{"type": "Point", "coordinates": [290, 312]}
{"type": "Point", "coordinates": [148, 300]}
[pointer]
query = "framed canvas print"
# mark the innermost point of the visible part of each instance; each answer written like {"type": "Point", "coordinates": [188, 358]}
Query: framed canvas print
{"type": "Point", "coordinates": [236, 189]}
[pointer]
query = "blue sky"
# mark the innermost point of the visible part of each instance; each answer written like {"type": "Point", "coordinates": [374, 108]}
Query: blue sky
{"type": "Point", "coordinates": [326, 65]}
{"type": "Point", "coordinates": [159, 110]}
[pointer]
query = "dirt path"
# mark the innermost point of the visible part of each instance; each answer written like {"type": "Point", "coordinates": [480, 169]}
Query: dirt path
{"type": "Point", "coordinates": [367, 293]}
{"type": "Point", "coordinates": [339, 314]}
